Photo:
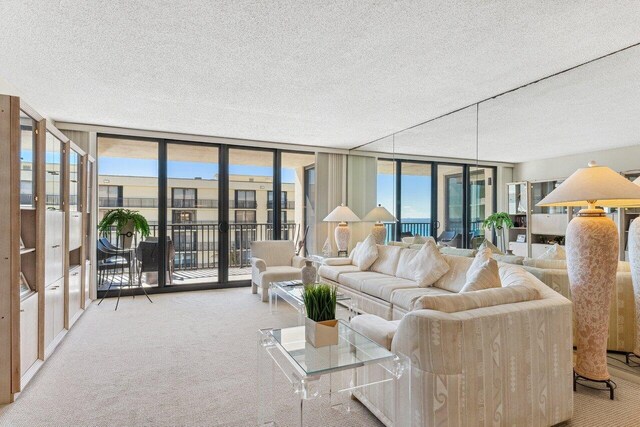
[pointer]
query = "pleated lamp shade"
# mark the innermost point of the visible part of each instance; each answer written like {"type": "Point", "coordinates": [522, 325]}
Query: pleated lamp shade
{"type": "Point", "coordinates": [594, 185]}
{"type": "Point", "coordinates": [343, 214]}
{"type": "Point", "coordinates": [379, 214]}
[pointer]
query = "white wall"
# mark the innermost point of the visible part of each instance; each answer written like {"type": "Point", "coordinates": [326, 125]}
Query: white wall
{"type": "Point", "coordinates": [618, 159]}
{"type": "Point", "coordinates": [7, 88]}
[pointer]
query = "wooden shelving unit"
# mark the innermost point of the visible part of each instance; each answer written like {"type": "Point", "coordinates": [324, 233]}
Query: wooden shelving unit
{"type": "Point", "coordinates": [35, 252]}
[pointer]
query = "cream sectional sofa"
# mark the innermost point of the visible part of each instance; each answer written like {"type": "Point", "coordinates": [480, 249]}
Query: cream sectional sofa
{"type": "Point", "coordinates": [622, 319]}
{"type": "Point", "coordinates": [383, 289]}
{"type": "Point", "coordinates": [508, 364]}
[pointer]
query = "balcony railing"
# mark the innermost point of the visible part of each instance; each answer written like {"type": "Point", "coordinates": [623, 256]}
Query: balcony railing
{"type": "Point", "coordinates": [196, 244]}
{"type": "Point", "coordinates": [245, 204]}
{"type": "Point", "coordinates": [152, 202]}
{"type": "Point", "coordinates": [424, 228]}
{"type": "Point", "coordinates": [285, 204]}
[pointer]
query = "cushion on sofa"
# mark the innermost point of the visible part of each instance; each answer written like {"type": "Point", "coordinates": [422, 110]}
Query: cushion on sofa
{"type": "Point", "coordinates": [355, 280]}
{"type": "Point", "coordinates": [387, 261]}
{"type": "Point", "coordinates": [445, 250]}
{"type": "Point", "coordinates": [488, 244]}
{"type": "Point", "coordinates": [483, 273]}
{"type": "Point", "coordinates": [366, 254]}
{"type": "Point", "coordinates": [383, 288]}
{"type": "Point", "coordinates": [332, 272]}
{"type": "Point", "coordinates": [423, 266]}
{"type": "Point", "coordinates": [554, 252]}
{"type": "Point", "coordinates": [337, 261]}
{"type": "Point", "coordinates": [454, 279]}
{"type": "Point", "coordinates": [552, 264]}
{"type": "Point", "coordinates": [477, 299]}
{"type": "Point", "coordinates": [376, 328]}
{"type": "Point", "coordinates": [354, 250]}
{"type": "Point", "coordinates": [400, 244]}
{"type": "Point", "coordinates": [509, 259]}
{"type": "Point", "coordinates": [405, 298]}
{"type": "Point", "coordinates": [278, 274]}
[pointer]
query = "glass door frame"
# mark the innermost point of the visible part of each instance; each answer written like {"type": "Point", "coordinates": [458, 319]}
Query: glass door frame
{"type": "Point", "coordinates": [466, 194]}
{"type": "Point", "coordinates": [224, 208]}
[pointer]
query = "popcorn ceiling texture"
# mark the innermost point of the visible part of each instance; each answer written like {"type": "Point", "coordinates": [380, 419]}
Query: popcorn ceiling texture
{"type": "Point", "coordinates": [331, 73]}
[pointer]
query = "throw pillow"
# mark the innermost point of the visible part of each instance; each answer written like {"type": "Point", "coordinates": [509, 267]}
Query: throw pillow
{"type": "Point", "coordinates": [354, 251]}
{"type": "Point", "coordinates": [428, 265]}
{"type": "Point", "coordinates": [367, 253]}
{"type": "Point", "coordinates": [554, 252]}
{"type": "Point", "coordinates": [479, 299]}
{"type": "Point", "coordinates": [490, 245]}
{"type": "Point", "coordinates": [483, 273]}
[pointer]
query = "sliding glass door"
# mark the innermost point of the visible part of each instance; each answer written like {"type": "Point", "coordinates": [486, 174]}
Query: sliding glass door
{"type": "Point", "coordinates": [192, 213]}
{"type": "Point", "coordinates": [205, 204]}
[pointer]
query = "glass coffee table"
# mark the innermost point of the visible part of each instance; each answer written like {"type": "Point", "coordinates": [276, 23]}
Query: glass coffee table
{"type": "Point", "coordinates": [291, 292]}
{"type": "Point", "coordinates": [331, 372]}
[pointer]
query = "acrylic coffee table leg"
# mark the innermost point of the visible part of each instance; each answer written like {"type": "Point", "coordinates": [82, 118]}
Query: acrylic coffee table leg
{"type": "Point", "coordinates": [266, 372]}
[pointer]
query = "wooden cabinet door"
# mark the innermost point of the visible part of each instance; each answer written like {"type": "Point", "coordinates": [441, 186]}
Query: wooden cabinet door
{"type": "Point", "coordinates": [49, 309]}
{"type": "Point", "coordinates": [58, 311]}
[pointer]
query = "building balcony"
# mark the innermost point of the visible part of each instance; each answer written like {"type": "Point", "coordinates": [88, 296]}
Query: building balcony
{"type": "Point", "coordinates": [290, 204]}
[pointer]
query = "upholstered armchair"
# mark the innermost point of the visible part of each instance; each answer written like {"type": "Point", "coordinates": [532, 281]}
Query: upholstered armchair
{"type": "Point", "coordinates": [273, 261]}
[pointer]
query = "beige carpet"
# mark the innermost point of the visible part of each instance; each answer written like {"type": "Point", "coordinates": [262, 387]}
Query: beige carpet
{"type": "Point", "coordinates": [190, 359]}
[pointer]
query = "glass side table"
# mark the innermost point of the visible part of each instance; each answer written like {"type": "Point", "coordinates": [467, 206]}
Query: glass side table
{"type": "Point", "coordinates": [332, 372]}
{"type": "Point", "coordinates": [291, 293]}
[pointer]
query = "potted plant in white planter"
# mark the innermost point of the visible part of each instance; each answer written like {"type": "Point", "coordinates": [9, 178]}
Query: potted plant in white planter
{"type": "Point", "coordinates": [321, 326]}
{"type": "Point", "coordinates": [499, 221]}
{"type": "Point", "coordinates": [127, 222]}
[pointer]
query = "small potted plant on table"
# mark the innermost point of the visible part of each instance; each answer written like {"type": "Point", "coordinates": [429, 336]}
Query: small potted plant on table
{"type": "Point", "coordinates": [321, 326]}
{"type": "Point", "coordinates": [499, 221]}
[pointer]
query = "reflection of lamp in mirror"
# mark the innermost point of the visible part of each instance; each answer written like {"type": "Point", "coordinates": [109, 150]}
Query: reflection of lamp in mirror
{"type": "Point", "coordinates": [342, 214]}
{"type": "Point", "coordinates": [634, 260]}
{"type": "Point", "coordinates": [379, 215]}
{"type": "Point", "coordinates": [592, 261]}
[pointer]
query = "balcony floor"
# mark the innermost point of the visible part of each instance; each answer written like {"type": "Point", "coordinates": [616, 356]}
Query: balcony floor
{"type": "Point", "coordinates": [181, 277]}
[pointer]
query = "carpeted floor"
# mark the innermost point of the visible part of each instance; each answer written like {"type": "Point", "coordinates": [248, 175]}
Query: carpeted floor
{"type": "Point", "coordinates": [190, 359]}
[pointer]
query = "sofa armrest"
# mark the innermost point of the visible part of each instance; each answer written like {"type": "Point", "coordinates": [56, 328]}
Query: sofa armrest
{"type": "Point", "coordinates": [376, 328]}
{"type": "Point", "coordinates": [337, 261]}
{"type": "Point", "coordinates": [298, 261]}
{"type": "Point", "coordinates": [258, 264]}
{"type": "Point", "coordinates": [448, 343]}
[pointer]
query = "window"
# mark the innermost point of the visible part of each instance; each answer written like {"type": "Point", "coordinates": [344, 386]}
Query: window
{"type": "Point", "coordinates": [245, 217]}
{"type": "Point", "coordinates": [246, 199]}
{"type": "Point", "coordinates": [283, 200]}
{"type": "Point", "coordinates": [181, 217]}
{"type": "Point", "coordinates": [283, 215]}
{"type": "Point", "coordinates": [110, 196]}
{"type": "Point", "coordinates": [184, 197]}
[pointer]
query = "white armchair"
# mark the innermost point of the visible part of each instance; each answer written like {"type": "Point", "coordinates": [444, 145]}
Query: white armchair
{"type": "Point", "coordinates": [273, 261]}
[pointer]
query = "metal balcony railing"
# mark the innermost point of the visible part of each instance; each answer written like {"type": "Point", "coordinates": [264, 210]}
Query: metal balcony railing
{"type": "Point", "coordinates": [285, 204]}
{"type": "Point", "coordinates": [196, 244]}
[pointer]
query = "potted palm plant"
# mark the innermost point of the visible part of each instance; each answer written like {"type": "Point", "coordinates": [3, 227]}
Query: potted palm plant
{"type": "Point", "coordinates": [321, 326]}
{"type": "Point", "coordinates": [126, 222]}
{"type": "Point", "coordinates": [499, 221]}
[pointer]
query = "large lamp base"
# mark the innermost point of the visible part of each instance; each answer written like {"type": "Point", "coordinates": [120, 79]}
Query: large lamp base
{"type": "Point", "coordinates": [342, 235]}
{"type": "Point", "coordinates": [379, 233]}
{"type": "Point", "coordinates": [634, 260]}
{"type": "Point", "coordinates": [592, 262]}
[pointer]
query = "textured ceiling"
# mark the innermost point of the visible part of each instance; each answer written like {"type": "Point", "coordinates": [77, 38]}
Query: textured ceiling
{"type": "Point", "coordinates": [332, 73]}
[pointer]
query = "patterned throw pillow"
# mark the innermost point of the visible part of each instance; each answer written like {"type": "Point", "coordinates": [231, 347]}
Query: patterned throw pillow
{"type": "Point", "coordinates": [483, 273]}
{"type": "Point", "coordinates": [367, 253]}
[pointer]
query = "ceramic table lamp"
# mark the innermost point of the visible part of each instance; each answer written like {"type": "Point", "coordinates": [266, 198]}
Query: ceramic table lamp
{"type": "Point", "coordinates": [379, 214]}
{"type": "Point", "coordinates": [634, 260]}
{"type": "Point", "coordinates": [592, 261]}
{"type": "Point", "coordinates": [342, 214]}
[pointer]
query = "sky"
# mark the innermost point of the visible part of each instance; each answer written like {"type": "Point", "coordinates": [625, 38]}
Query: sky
{"type": "Point", "coordinates": [416, 190]}
{"type": "Point", "coordinates": [186, 170]}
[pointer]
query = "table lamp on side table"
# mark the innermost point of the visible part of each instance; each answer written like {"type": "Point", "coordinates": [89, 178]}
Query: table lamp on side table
{"type": "Point", "coordinates": [592, 261]}
{"type": "Point", "coordinates": [379, 214]}
{"type": "Point", "coordinates": [342, 214]}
